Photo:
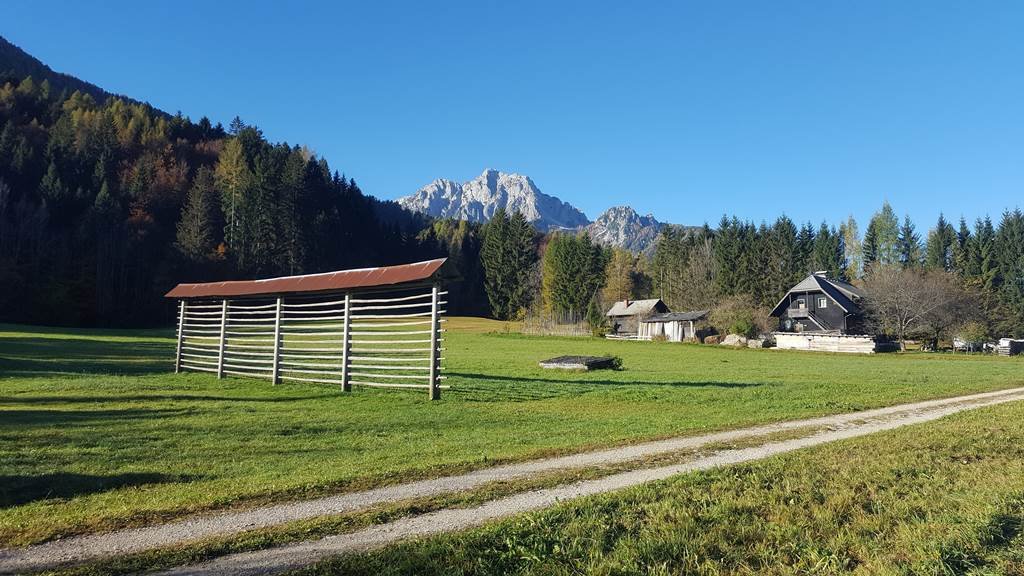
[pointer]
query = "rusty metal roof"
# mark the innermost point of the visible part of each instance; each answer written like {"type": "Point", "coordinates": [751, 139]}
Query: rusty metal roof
{"type": "Point", "coordinates": [383, 276]}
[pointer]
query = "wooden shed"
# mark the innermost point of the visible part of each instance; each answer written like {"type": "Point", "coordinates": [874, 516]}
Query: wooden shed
{"type": "Point", "coordinates": [376, 327]}
{"type": "Point", "coordinates": [625, 315]}
{"type": "Point", "coordinates": [674, 326]}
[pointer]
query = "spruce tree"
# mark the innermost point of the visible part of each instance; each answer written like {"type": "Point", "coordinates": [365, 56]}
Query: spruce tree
{"type": "Point", "coordinates": [909, 245]}
{"type": "Point", "coordinates": [940, 247]}
{"type": "Point", "coordinates": [196, 234]}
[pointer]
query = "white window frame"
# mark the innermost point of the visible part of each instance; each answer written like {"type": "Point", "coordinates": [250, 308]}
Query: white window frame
{"type": "Point", "coordinates": [822, 302]}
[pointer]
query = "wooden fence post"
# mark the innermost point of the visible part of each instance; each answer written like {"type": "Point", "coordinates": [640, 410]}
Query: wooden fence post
{"type": "Point", "coordinates": [181, 333]}
{"type": "Point", "coordinates": [277, 342]}
{"type": "Point", "coordinates": [223, 328]}
{"type": "Point", "coordinates": [346, 344]}
{"type": "Point", "coordinates": [435, 328]}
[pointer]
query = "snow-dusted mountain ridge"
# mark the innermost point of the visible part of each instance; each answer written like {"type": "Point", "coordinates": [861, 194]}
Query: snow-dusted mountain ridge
{"type": "Point", "coordinates": [478, 199]}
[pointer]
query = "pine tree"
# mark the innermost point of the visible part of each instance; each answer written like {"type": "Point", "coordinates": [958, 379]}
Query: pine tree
{"type": "Point", "coordinates": [909, 245]}
{"type": "Point", "coordinates": [1009, 244]}
{"type": "Point", "coordinates": [572, 274]}
{"type": "Point", "coordinates": [196, 229]}
{"type": "Point", "coordinates": [830, 252]}
{"type": "Point", "coordinates": [804, 261]}
{"type": "Point", "coordinates": [965, 252]}
{"type": "Point", "coordinates": [940, 247]}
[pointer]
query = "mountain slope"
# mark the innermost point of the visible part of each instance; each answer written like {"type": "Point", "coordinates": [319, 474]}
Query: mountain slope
{"type": "Point", "coordinates": [478, 199]}
{"type": "Point", "coordinates": [16, 64]}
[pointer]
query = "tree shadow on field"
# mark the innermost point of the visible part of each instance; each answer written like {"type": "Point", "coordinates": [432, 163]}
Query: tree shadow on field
{"type": "Point", "coordinates": [124, 398]}
{"type": "Point", "coordinates": [559, 387]}
{"type": "Point", "coordinates": [41, 357]}
{"type": "Point", "coordinates": [16, 490]}
{"type": "Point", "coordinates": [63, 419]}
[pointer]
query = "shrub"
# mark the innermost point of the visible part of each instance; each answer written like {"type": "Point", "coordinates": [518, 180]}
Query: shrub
{"type": "Point", "coordinates": [740, 315]}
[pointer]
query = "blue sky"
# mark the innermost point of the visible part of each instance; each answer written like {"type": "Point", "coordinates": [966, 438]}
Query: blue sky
{"type": "Point", "coordinates": [684, 109]}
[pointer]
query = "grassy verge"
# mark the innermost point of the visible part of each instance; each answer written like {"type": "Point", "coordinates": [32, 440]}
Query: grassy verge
{"type": "Point", "coordinates": [945, 497]}
{"type": "Point", "coordinates": [98, 434]}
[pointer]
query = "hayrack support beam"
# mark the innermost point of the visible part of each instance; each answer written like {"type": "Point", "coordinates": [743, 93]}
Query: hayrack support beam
{"type": "Point", "coordinates": [223, 330]}
{"type": "Point", "coordinates": [435, 327]}
{"type": "Point", "coordinates": [275, 377]}
{"type": "Point", "coordinates": [181, 327]}
{"type": "Point", "coordinates": [346, 345]}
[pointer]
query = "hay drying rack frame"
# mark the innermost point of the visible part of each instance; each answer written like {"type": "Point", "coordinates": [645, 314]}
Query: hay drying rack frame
{"type": "Point", "coordinates": [375, 327]}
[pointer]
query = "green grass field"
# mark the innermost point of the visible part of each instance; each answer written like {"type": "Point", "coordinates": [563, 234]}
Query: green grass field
{"type": "Point", "coordinates": [99, 433]}
{"type": "Point", "coordinates": [945, 497]}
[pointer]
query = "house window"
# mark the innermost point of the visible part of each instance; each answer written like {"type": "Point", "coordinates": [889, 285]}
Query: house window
{"type": "Point", "coordinates": [822, 302]}
{"type": "Point", "coordinates": [800, 303]}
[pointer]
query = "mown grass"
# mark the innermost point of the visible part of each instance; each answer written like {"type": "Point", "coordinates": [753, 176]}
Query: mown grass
{"type": "Point", "coordinates": [945, 497]}
{"type": "Point", "coordinates": [97, 433]}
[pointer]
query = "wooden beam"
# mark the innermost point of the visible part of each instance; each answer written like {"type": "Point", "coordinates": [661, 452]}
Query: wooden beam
{"type": "Point", "coordinates": [223, 329]}
{"type": "Point", "coordinates": [434, 391]}
{"type": "Point", "coordinates": [276, 374]}
{"type": "Point", "coordinates": [181, 327]}
{"type": "Point", "coordinates": [346, 344]}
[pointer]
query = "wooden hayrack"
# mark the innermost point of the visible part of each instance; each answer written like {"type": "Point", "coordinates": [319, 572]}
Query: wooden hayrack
{"type": "Point", "coordinates": [377, 327]}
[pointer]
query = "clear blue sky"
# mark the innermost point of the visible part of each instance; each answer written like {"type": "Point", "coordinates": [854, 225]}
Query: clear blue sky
{"type": "Point", "coordinates": [684, 109]}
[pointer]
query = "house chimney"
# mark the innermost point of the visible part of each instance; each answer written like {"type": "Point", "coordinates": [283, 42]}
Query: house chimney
{"type": "Point", "coordinates": [822, 273]}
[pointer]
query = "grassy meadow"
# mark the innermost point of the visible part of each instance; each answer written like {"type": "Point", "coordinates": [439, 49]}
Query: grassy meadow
{"type": "Point", "coordinates": [940, 498]}
{"type": "Point", "coordinates": [98, 432]}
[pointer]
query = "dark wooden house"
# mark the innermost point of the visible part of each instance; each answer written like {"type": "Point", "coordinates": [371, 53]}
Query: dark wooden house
{"type": "Point", "coordinates": [821, 304]}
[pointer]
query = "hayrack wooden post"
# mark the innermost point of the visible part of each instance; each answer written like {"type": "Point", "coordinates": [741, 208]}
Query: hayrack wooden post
{"type": "Point", "coordinates": [346, 344]}
{"type": "Point", "coordinates": [276, 375]}
{"type": "Point", "coordinates": [181, 334]}
{"type": "Point", "coordinates": [223, 329]}
{"type": "Point", "coordinates": [435, 328]}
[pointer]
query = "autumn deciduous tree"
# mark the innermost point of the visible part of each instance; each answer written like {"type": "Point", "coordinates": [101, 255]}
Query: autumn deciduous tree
{"type": "Point", "coordinates": [903, 301]}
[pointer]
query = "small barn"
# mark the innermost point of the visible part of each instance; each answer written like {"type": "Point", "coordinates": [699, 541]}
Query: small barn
{"type": "Point", "coordinates": [625, 315]}
{"type": "Point", "coordinates": [674, 326]}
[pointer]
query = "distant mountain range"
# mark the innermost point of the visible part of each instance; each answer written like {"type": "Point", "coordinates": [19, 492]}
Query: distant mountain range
{"type": "Point", "coordinates": [478, 199]}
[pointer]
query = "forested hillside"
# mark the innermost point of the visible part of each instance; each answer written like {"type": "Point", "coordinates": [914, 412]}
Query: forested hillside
{"type": "Point", "coordinates": [105, 205]}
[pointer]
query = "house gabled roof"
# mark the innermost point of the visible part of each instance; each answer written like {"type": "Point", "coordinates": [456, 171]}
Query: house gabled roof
{"type": "Point", "coordinates": [678, 316]}
{"type": "Point", "coordinates": [844, 294]}
{"type": "Point", "coordinates": [634, 307]}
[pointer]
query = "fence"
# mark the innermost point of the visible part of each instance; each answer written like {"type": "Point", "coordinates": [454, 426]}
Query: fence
{"type": "Point", "coordinates": [378, 339]}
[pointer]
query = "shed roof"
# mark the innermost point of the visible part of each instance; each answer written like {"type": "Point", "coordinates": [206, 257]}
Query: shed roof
{"type": "Point", "coordinates": [678, 316]}
{"type": "Point", "coordinates": [379, 277]}
{"type": "Point", "coordinates": [634, 307]}
{"type": "Point", "coordinates": [844, 294]}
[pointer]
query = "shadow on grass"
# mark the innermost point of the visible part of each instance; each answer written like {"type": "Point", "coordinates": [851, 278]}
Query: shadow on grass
{"type": "Point", "coordinates": [67, 418]}
{"type": "Point", "coordinates": [17, 490]}
{"type": "Point", "coordinates": [547, 388]}
{"type": "Point", "coordinates": [34, 356]}
{"type": "Point", "coordinates": [99, 399]}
